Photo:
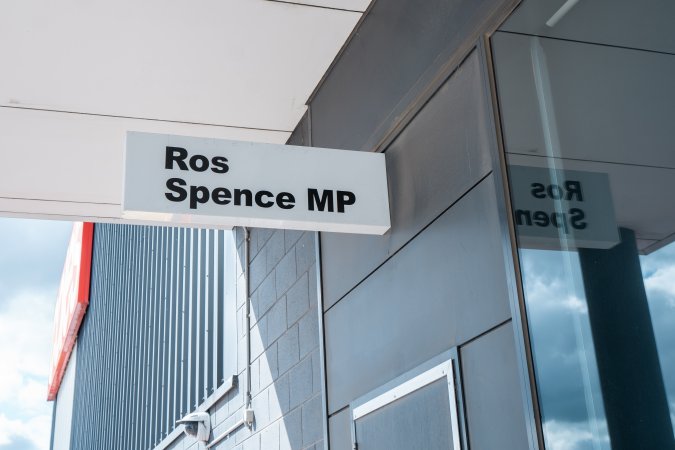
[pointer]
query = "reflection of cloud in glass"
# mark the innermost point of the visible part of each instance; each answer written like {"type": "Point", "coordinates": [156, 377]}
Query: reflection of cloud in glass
{"type": "Point", "coordinates": [662, 281]}
{"type": "Point", "coordinates": [658, 269]}
{"type": "Point", "coordinates": [575, 436]}
{"type": "Point", "coordinates": [565, 361]}
{"type": "Point", "coordinates": [567, 377]}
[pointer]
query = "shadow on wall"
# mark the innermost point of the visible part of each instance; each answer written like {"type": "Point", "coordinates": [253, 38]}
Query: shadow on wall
{"type": "Point", "coordinates": [285, 366]}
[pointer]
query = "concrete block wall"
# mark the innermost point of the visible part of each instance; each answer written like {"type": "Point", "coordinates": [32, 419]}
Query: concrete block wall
{"type": "Point", "coordinates": [286, 376]}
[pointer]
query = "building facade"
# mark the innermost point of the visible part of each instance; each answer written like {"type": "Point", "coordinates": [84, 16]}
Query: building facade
{"type": "Point", "coordinates": [523, 298]}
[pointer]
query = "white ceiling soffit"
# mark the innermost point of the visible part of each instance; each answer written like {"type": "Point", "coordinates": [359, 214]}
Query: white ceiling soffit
{"type": "Point", "coordinates": [70, 166]}
{"type": "Point", "coordinates": [77, 75]}
{"type": "Point", "coordinates": [243, 63]}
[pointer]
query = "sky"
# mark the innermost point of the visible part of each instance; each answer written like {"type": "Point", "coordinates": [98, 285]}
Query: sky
{"type": "Point", "coordinates": [32, 253]}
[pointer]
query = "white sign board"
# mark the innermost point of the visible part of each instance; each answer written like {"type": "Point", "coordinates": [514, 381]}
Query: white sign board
{"type": "Point", "coordinates": [552, 207]}
{"type": "Point", "coordinates": [205, 182]}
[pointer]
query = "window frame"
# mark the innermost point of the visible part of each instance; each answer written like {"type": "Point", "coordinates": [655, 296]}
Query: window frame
{"type": "Point", "coordinates": [445, 365]}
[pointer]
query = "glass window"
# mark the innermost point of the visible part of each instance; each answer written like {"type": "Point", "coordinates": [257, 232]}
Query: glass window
{"type": "Point", "coordinates": [587, 105]}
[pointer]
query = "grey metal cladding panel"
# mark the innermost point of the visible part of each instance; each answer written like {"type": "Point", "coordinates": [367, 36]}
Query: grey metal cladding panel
{"type": "Point", "coordinates": [447, 286]}
{"type": "Point", "coordinates": [492, 392]}
{"type": "Point", "coordinates": [300, 135]}
{"type": "Point", "coordinates": [339, 431]}
{"type": "Point", "coordinates": [397, 49]}
{"type": "Point", "coordinates": [438, 157]}
{"type": "Point", "coordinates": [398, 424]}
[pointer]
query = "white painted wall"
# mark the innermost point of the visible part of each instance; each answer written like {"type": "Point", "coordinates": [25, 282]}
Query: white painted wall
{"type": "Point", "coordinates": [64, 406]}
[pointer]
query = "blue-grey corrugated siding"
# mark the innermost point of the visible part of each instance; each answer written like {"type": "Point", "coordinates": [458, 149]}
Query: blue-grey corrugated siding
{"type": "Point", "coordinates": [151, 346]}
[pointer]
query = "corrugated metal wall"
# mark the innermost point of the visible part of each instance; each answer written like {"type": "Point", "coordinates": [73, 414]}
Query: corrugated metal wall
{"type": "Point", "coordinates": [160, 318]}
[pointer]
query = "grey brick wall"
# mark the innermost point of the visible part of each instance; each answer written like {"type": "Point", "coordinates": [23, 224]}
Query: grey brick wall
{"type": "Point", "coordinates": [285, 378]}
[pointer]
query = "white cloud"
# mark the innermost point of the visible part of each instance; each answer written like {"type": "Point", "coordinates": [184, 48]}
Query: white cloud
{"type": "Point", "coordinates": [574, 303]}
{"type": "Point", "coordinates": [31, 395]}
{"type": "Point", "coordinates": [35, 430]}
{"type": "Point", "coordinates": [662, 281]}
{"type": "Point", "coordinates": [26, 334]}
{"type": "Point", "coordinates": [576, 435]}
{"type": "Point", "coordinates": [551, 294]}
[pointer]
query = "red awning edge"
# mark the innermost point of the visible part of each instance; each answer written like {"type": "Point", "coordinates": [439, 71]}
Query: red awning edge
{"type": "Point", "coordinates": [72, 301]}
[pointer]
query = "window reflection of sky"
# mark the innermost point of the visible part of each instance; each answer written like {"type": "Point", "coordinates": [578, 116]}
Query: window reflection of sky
{"type": "Point", "coordinates": [567, 375]}
{"type": "Point", "coordinates": [658, 270]}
